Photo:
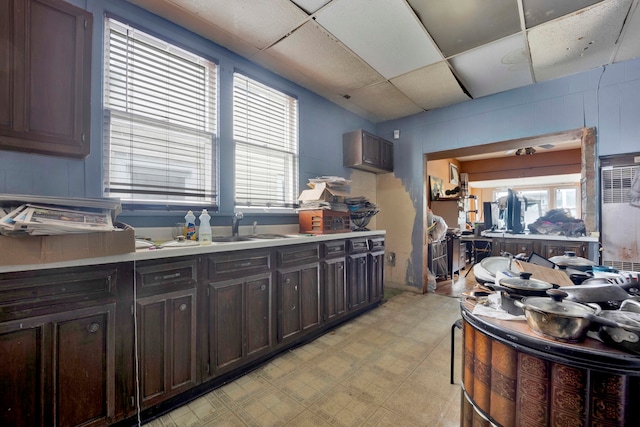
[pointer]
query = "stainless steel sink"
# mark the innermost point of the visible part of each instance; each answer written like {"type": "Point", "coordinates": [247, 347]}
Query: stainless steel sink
{"type": "Point", "coordinates": [268, 236]}
{"type": "Point", "coordinates": [230, 239]}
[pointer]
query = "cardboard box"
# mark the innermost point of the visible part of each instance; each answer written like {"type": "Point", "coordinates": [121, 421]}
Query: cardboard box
{"type": "Point", "coordinates": [321, 191]}
{"type": "Point", "coordinates": [66, 247]}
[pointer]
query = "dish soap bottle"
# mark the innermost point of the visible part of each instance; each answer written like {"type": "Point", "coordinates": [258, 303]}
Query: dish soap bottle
{"type": "Point", "coordinates": [190, 226]}
{"type": "Point", "coordinates": [204, 234]}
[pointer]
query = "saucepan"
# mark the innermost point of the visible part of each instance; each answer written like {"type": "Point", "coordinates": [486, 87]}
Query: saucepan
{"type": "Point", "coordinates": [560, 319]}
{"type": "Point", "coordinates": [625, 336]}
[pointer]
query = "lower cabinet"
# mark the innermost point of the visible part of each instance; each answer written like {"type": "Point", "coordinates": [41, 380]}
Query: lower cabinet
{"type": "Point", "coordinates": [166, 345]}
{"type": "Point", "coordinates": [334, 280]}
{"type": "Point", "coordinates": [240, 321]}
{"type": "Point", "coordinates": [357, 278]}
{"type": "Point", "coordinates": [544, 248]}
{"type": "Point", "coordinates": [376, 270]}
{"type": "Point", "coordinates": [58, 369]}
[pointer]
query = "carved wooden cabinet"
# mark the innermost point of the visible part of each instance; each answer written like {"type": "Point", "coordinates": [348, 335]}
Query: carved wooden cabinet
{"type": "Point", "coordinates": [358, 273]}
{"type": "Point", "coordinates": [45, 49]}
{"type": "Point", "coordinates": [366, 151]}
{"type": "Point", "coordinates": [376, 269]}
{"type": "Point", "coordinates": [334, 280]}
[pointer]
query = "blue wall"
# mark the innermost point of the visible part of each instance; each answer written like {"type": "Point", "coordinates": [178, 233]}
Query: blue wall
{"type": "Point", "coordinates": [322, 124]}
{"type": "Point", "coordinates": [607, 98]}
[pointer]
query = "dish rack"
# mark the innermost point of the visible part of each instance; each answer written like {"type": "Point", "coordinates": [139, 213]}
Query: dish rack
{"type": "Point", "coordinates": [360, 218]}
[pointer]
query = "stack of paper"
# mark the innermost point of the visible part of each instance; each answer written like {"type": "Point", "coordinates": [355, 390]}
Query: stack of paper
{"type": "Point", "coordinates": [55, 215]}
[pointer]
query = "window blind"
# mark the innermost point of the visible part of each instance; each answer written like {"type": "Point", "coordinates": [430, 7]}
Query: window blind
{"type": "Point", "coordinates": [265, 132]}
{"type": "Point", "coordinates": [160, 121]}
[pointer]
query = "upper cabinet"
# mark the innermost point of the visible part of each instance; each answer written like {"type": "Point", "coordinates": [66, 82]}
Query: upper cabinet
{"type": "Point", "coordinates": [363, 150]}
{"type": "Point", "coordinates": [45, 77]}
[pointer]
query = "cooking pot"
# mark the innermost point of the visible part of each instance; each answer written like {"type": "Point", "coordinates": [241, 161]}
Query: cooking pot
{"type": "Point", "coordinates": [525, 285]}
{"type": "Point", "coordinates": [626, 335]}
{"type": "Point", "coordinates": [570, 260]}
{"type": "Point", "coordinates": [559, 319]}
{"type": "Point", "coordinates": [606, 294]}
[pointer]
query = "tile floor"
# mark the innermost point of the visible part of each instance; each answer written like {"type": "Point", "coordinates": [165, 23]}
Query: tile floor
{"type": "Point", "coordinates": [388, 367]}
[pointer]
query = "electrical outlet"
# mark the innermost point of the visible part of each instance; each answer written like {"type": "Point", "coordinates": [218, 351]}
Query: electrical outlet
{"type": "Point", "coordinates": [391, 259]}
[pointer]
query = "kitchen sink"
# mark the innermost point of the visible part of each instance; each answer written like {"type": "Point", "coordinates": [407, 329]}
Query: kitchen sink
{"type": "Point", "coordinates": [268, 236]}
{"type": "Point", "coordinates": [231, 239]}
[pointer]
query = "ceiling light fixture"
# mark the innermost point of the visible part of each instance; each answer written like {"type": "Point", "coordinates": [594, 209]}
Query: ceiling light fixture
{"type": "Point", "coordinates": [525, 151]}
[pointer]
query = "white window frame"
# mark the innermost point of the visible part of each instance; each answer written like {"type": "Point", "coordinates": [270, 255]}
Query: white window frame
{"type": "Point", "coordinates": [265, 135]}
{"type": "Point", "coordinates": [160, 129]}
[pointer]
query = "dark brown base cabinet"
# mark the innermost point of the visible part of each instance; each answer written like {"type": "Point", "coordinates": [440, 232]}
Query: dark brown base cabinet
{"type": "Point", "coordinates": [68, 335]}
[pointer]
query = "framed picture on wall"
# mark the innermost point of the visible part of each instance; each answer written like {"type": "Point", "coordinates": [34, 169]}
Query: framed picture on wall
{"type": "Point", "coordinates": [453, 174]}
{"type": "Point", "coordinates": [437, 187]}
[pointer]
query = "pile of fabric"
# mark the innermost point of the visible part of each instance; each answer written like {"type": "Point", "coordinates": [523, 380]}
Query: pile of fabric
{"type": "Point", "coordinates": [558, 222]}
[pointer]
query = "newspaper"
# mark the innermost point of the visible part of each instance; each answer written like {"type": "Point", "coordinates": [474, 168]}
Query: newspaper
{"type": "Point", "coordinates": [49, 220]}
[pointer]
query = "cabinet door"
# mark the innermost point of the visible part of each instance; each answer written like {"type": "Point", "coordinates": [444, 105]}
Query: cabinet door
{"type": "Point", "coordinates": [335, 290]}
{"type": "Point", "coordinates": [240, 321]}
{"type": "Point", "coordinates": [518, 246]}
{"type": "Point", "coordinates": [299, 294]}
{"type": "Point", "coordinates": [370, 149]}
{"type": "Point", "coordinates": [58, 369]}
{"type": "Point", "coordinates": [357, 279]}
{"type": "Point", "coordinates": [47, 106]}
{"type": "Point", "coordinates": [376, 275]}
{"type": "Point", "coordinates": [167, 345]}
{"type": "Point", "coordinates": [386, 155]}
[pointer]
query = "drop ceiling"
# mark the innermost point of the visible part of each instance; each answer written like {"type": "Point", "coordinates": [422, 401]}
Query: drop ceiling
{"type": "Point", "coordinates": [387, 59]}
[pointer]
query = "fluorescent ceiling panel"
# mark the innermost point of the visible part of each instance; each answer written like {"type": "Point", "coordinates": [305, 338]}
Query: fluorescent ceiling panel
{"type": "Point", "coordinates": [386, 34]}
{"type": "Point", "coordinates": [259, 23]}
{"type": "Point", "coordinates": [321, 58]}
{"type": "Point", "coordinates": [431, 87]}
{"type": "Point", "coordinates": [384, 101]}
{"type": "Point", "coordinates": [577, 42]}
{"type": "Point", "coordinates": [495, 67]}
{"type": "Point", "coordinates": [310, 6]}
{"type": "Point", "coordinates": [538, 12]}
{"type": "Point", "coordinates": [461, 25]}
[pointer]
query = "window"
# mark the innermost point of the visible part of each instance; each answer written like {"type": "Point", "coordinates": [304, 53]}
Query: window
{"type": "Point", "coordinates": [265, 133]}
{"type": "Point", "coordinates": [537, 203]}
{"type": "Point", "coordinates": [567, 198]}
{"type": "Point", "coordinates": [160, 121]}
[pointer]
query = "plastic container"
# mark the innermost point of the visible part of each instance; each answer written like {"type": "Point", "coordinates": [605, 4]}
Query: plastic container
{"type": "Point", "coordinates": [190, 226]}
{"type": "Point", "coordinates": [204, 233]}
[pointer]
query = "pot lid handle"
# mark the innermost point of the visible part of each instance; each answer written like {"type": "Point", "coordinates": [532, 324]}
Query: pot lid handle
{"type": "Point", "coordinates": [557, 294]}
{"type": "Point", "coordinates": [525, 275]}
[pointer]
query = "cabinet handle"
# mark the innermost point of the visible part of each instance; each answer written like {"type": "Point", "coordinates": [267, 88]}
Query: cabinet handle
{"type": "Point", "coordinates": [263, 287]}
{"type": "Point", "coordinates": [340, 267]}
{"type": "Point", "coordinates": [295, 288]}
{"type": "Point", "coordinates": [92, 328]}
{"type": "Point", "coordinates": [287, 280]}
{"type": "Point", "coordinates": [244, 264]}
{"type": "Point", "coordinates": [182, 307]}
{"type": "Point", "coordinates": [293, 308]}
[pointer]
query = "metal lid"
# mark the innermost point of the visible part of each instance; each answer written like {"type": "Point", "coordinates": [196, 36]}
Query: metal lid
{"type": "Point", "coordinates": [570, 259]}
{"type": "Point", "coordinates": [556, 305]}
{"type": "Point", "coordinates": [629, 319]}
{"type": "Point", "coordinates": [525, 283]}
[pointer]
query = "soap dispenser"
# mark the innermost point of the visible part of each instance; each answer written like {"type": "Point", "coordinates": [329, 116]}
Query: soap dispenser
{"type": "Point", "coordinates": [190, 224]}
{"type": "Point", "coordinates": [204, 234]}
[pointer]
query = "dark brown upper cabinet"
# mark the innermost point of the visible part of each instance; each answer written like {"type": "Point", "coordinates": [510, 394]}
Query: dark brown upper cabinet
{"type": "Point", "coordinates": [366, 151]}
{"type": "Point", "coordinates": [45, 77]}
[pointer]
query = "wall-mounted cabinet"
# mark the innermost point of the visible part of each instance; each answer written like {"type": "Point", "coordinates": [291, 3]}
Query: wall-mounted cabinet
{"type": "Point", "coordinates": [365, 151]}
{"type": "Point", "coordinates": [45, 92]}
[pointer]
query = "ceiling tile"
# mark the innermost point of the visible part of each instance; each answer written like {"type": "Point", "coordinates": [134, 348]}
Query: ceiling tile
{"type": "Point", "coordinates": [321, 59]}
{"type": "Point", "coordinates": [465, 24]}
{"type": "Point", "coordinates": [538, 12]}
{"type": "Point", "coordinates": [384, 101]}
{"type": "Point", "coordinates": [431, 87]}
{"type": "Point", "coordinates": [310, 6]}
{"type": "Point", "coordinates": [385, 34]}
{"type": "Point", "coordinates": [629, 47]}
{"type": "Point", "coordinates": [257, 22]}
{"type": "Point", "coordinates": [577, 42]}
{"type": "Point", "coordinates": [495, 67]}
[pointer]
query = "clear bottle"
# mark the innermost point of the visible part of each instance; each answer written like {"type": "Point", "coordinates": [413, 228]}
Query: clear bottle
{"type": "Point", "coordinates": [190, 226]}
{"type": "Point", "coordinates": [204, 233]}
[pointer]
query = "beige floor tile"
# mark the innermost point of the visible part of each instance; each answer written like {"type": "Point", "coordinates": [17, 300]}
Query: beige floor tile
{"type": "Point", "coordinates": [306, 385]}
{"type": "Point", "coordinates": [270, 408]}
{"type": "Point", "coordinates": [307, 419]}
{"type": "Point", "coordinates": [382, 417]}
{"type": "Point", "coordinates": [343, 406]}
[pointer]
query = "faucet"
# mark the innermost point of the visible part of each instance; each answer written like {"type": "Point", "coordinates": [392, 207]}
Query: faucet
{"type": "Point", "coordinates": [237, 216]}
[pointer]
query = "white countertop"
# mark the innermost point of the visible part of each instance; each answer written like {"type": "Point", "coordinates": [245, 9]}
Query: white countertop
{"type": "Point", "coordinates": [148, 254]}
{"type": "Point", "coordinates": [528, 236]}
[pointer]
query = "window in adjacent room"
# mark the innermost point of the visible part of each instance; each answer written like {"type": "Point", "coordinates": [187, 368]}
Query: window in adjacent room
{"type": "Point", "coordinates": [160, 146]}
{"type": "Point", "coordinates": [265, 134]}
{"type": "Point", "coordinates": [567, 198]}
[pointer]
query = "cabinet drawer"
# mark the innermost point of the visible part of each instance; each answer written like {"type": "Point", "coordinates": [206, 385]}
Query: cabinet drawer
{"type": "Point", "coordinates": [36, 291]}
{"type": "Point", "coordinates": [358, 246]}
{"type": "Point", "coordinates": [297, 255]}
{"type": "Point", "coordinates": [163, 277]}
{"type": "Point", "coordinates": [376, 244]}
{"type": "Point", "coordinates": [239, 263]}
{"type": "Point", "coordinates": [334, 249]}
